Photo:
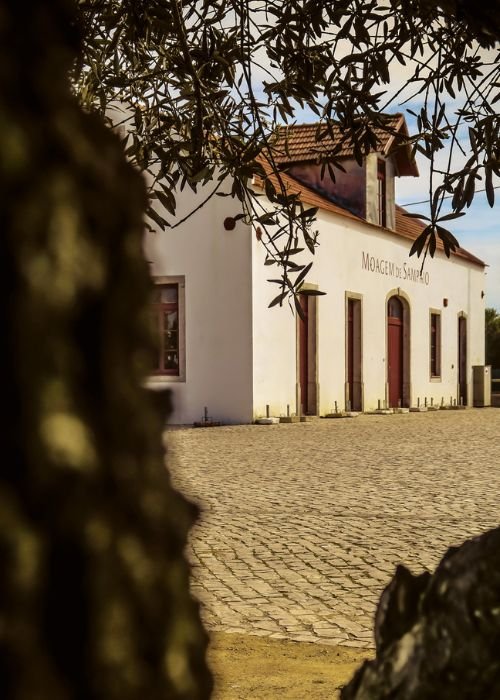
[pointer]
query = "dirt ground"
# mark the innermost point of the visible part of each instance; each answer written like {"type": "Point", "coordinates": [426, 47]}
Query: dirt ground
{"type": "Point", "coordinates": [258, 668]}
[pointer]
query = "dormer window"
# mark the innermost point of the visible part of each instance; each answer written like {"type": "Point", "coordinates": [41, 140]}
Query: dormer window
{"type": "Point", "coordinates": [364, 189]}
{"type": "Point", "coordinates": [381, 193]}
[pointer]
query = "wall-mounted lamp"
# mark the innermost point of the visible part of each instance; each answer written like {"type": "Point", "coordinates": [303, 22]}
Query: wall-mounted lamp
{"type": "Point", "coordinates": [482, 295]}
{"type": "Point", "coordinates": [445, 302]}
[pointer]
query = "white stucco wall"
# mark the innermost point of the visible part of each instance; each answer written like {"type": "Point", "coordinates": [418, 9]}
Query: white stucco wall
{"type": "Point", "coordinates": [242, 356]}
{"type": "Point", "coordinates": [338, 268]}
{"type": "Point", "coordinates": [274, 348]}
{"type": "Point", "coordinates": [216, 265]}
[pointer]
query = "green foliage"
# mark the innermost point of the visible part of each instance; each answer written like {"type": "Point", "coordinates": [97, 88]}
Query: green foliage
{"type": "Point", "coordinates": [201, 87]}
{"type": "Point", "coordinates": [493, 338]}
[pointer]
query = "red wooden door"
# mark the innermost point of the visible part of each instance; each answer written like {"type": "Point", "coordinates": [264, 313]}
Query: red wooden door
{"type": "Point", "coordinates": [350, 349]}
{"type": "Point", "coordinates": [395, 352]}
{"type": "Point", "coordinates": [303, 353]}
{"type": "Point", "coordinates": [354, 354]}
{"type": "Point", "coordinates": [462, 359]}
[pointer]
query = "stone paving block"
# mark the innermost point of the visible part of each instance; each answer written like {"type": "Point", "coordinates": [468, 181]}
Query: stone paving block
{"type": "Point", "coordinates": [302, 526]}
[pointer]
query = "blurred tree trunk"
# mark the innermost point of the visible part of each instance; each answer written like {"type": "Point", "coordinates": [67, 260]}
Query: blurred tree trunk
{"type": "Point", "coordinates": [94, 599]}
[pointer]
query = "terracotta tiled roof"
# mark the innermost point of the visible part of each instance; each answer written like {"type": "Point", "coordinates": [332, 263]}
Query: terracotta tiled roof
{"type": "Point", "coordinates": [406, 227]}
{"type": "Point", "coordinates": [302, 143]}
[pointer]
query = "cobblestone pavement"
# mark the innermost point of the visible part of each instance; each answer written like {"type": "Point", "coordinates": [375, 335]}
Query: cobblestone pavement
{"type": "Point", "coordinates": [302, 525]}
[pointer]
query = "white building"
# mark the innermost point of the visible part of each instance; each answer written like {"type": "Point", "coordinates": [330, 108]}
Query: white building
{"type": "Point", "coordinates": [383, 335]}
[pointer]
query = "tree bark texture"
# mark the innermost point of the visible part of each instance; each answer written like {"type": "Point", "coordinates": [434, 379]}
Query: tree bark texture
{"type": "Point", "coordinates": [94, 595]}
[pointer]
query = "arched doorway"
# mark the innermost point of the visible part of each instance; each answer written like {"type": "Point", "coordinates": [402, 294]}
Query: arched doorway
{"type": "Point", "coordinates": [396, 369]}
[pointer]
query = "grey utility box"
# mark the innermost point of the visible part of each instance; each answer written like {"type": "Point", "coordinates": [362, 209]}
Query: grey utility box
{"type": "Point", "coordinates": [481, 380]}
